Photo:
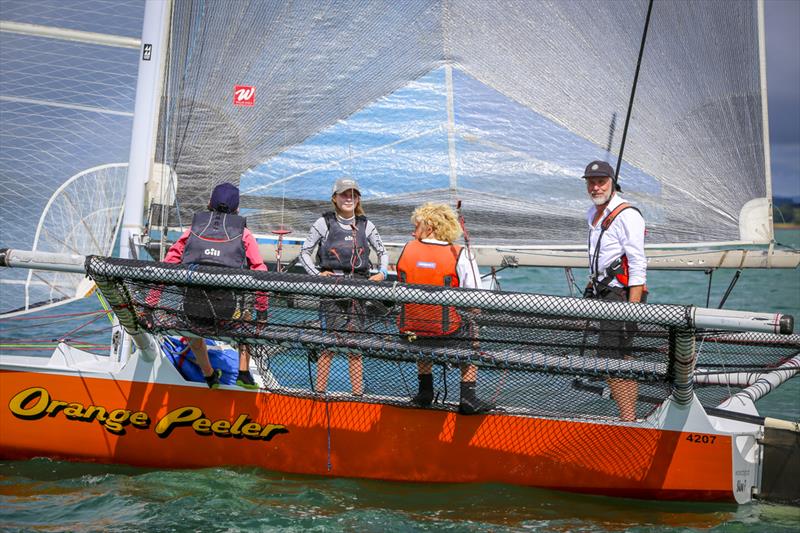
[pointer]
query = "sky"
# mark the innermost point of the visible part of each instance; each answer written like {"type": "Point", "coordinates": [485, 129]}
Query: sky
{"type": "Point", "coordinates": [782, 21]}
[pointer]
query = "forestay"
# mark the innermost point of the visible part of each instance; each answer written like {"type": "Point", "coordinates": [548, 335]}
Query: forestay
{"type": "Point", "coordinates": [499, 104]}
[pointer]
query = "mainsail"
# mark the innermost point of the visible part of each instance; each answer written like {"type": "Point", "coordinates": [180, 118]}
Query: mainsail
{"type": "Point", "coordinates": [498, 104]}
{"type": "Point", "coordinates": [66, 104]}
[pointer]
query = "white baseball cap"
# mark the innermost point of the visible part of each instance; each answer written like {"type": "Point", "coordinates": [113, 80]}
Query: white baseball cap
{"type": "Point", "coordinates": [345, 184]}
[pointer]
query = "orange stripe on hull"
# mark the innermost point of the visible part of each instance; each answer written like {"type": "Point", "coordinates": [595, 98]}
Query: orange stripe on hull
{"type": "Point", "coordinates": [168, 426]}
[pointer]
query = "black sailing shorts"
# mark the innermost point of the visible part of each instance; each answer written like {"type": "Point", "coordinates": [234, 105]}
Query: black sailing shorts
{"type": "Point", "coordinates": [342, 315]}
{"type": "Point", "coordinates": [463, 344]}
{"type": "Point", "coordinates": [615, 339]}
{"type": "Point", "coordinates": [203, 307]}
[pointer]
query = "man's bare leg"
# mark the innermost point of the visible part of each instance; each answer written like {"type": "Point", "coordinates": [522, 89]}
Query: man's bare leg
{"type": "Point", "coordinates": [244, 358]}
{"type": "Point", "coordinates": [625, 393]}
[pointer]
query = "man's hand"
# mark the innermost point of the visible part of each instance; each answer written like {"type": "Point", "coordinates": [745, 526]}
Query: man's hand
{"type": "Point", "coordinates": [588, 292]}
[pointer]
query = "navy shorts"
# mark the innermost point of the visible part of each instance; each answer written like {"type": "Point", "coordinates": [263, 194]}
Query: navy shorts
{"type": "Point", "coordinates": [615, 339]}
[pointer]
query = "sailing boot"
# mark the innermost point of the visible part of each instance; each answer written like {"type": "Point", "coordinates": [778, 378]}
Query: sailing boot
{"type": "Point", "coordinates": [214, 379]}
{"type": "Point", "coordinates": [424, 397]}
{"type": "Point", "coordinates": [470, 404]}
{"type": "Point", "coordinates": [245, 380]}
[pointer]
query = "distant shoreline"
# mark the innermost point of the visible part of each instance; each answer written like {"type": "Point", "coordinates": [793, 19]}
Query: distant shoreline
{"type": "Point", "coordinates": [783, 225]}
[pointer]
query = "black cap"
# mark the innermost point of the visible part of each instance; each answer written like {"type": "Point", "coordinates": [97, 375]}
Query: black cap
{"type": "Point", "coordinates": [601, 169]}
{"type": "Point", "coordinates": [598, 169]}
{"type": "Point", "coordinates": [225, 198]}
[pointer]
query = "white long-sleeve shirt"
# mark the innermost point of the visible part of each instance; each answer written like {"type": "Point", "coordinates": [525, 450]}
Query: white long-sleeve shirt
{"type": "Point", "coordinates": [466, 267]}
{"type": "Point", "coordinates": [625, 236]}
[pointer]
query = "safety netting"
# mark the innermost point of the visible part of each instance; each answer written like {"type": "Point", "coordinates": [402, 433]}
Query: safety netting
{"type": "Point", "coordinates": [534, 354]}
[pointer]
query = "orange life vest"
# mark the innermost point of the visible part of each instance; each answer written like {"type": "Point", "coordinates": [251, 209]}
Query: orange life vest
{"type": "Point", "coordinates": [428, 264]}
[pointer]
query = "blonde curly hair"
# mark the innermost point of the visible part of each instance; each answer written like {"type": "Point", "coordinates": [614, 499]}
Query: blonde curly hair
{"type": "Point", "coordinates": [440, 218]}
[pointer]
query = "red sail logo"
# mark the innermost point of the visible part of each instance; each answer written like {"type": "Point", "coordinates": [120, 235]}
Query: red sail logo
{"type": "Point", "coordinates": [244, 95]}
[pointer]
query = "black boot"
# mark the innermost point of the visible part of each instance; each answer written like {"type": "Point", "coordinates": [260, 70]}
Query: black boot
{"type": "Point", "coordinates": [424, 397]}
{"type": "Point", "coordinates": [470, 404]}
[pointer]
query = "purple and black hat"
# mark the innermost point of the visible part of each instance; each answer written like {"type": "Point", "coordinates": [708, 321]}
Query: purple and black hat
{"type": "Point", "coordinates": [225, 198]}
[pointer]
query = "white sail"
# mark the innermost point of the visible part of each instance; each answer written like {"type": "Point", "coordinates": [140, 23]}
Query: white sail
{"type": "Point", "coordinates": [497, 104]}
{"type": "Point", "coordinates": [67, 82]}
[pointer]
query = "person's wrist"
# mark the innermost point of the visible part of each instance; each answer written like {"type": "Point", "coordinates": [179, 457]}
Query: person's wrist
{"type": "Point", "coordinates": [385, 273]}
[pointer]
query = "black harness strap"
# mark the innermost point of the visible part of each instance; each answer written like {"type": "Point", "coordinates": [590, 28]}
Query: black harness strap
{"type": "Point", "coordinates": [594, 265]}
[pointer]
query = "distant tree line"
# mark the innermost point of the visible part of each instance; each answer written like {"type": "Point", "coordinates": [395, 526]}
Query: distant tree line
{"type": "Point", "coordinates": [786, 210]}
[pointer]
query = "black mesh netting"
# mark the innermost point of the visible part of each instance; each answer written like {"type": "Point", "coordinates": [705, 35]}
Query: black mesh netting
{"type": "Point", "coordinates": [535, 354]}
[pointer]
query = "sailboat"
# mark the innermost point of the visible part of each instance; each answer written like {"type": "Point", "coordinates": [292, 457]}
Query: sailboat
{"type": "Point", "coordinates": [493, 104]}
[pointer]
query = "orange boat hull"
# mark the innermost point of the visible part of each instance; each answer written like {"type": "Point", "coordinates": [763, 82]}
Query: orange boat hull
{"type": "Point", "coordinates": [174, 426]}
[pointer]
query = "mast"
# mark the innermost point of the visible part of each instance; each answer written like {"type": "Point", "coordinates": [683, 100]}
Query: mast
{"type": "Point", "coordinates": [762, 72]}
{"type": "Point", "coordinates": [152, 62]}
{"type": "Point", "coordinates": [145, 116]}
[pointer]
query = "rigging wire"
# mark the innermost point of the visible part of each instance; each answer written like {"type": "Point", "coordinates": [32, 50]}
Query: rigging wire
{"type": "Point", "coordinates": [463, 225]}
{"type": "Point", "coordinates": [710, 273]}
{"type": "Point", "coordinates": [633, 94]}
{"type": "Point", "coordinates": [730, 288]}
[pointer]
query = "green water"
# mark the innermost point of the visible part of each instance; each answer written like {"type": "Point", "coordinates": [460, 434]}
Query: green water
{"type": "Point", "coordinates": [44, 495]}
{"type": "Point", "coordinates": [56, 496]}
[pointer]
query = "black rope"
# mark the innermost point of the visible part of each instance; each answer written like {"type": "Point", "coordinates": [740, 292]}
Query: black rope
{"type": "Point", "coordinates": [633, 93]}
{"type": "Point", "coordinates": [710, 274]}
{"type": "Point", "coordinates": [310, 372]}
{"type": "Point", "coordinates": [730, 288]}
{"type": "Point", "coordinates": [328, 424]}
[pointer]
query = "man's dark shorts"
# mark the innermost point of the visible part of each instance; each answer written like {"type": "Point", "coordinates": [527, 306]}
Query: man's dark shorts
{"type": "Point", "coordinates": [615, 339]}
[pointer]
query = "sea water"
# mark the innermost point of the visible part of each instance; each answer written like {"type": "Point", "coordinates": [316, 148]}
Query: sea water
{"type": "Point", "coordinates": [46, 495]}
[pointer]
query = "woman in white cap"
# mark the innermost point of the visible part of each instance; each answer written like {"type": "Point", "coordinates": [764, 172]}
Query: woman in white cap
{"type": "Point", "coordinates": [343, 238]}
